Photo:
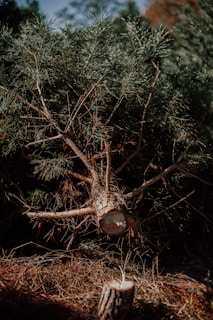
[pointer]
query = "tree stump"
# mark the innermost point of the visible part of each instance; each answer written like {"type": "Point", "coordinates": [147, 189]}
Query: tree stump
{"type": "Point", "coordinates": [116, 300]}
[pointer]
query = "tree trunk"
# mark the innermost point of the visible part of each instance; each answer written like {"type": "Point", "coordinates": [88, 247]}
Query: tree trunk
{"type": "Point", "coordinates": [110, 217]}
{"type": "Point", "coordinates": [116, 300]}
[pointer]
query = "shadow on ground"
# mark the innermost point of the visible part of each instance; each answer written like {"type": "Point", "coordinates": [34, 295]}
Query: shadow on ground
{"type": "Point", "coordinates": [15, 305]}
{"type": "Point", "coordinates": [147, 311]}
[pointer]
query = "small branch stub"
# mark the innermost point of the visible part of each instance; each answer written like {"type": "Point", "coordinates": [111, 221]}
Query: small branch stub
{"type": "Point", "coordinates": [116, 300]}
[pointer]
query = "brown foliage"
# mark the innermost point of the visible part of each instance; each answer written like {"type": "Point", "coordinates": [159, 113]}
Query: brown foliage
{"type": "Point", "coordinates": [167, 12]}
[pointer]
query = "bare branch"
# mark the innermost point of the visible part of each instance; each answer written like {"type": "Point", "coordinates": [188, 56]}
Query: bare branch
{"type": "Point", "coordinates": [65, 137]}
{"type": "Point", "coordinates": [60, 215]}
{"type": "Point", "coordinates": [147, 184]}
{"type": "Point", "coordinates": [33, 118]}
{"type": "Point", "coordinates": [59, 136]}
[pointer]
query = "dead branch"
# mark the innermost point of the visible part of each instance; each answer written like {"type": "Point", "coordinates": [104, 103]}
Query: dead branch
{"type": "Point", "coordinates": [60, 215]}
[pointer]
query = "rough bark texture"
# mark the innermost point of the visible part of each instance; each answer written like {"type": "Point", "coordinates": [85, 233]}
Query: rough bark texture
{"type": "Point", "coordinates": [116, 300]}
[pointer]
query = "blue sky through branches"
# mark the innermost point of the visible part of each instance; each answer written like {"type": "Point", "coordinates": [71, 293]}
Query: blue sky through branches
{"type": "Point", "coordinates": [50, 7]}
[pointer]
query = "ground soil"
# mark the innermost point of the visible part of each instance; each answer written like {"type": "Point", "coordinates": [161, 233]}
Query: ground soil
{"type": "Point", "coordinates": [67, 285]}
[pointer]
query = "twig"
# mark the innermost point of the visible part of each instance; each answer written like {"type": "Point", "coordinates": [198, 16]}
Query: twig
{"type": "Point", "coordinates": [45, 110]}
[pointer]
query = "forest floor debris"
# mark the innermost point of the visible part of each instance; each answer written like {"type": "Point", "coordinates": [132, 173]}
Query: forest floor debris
{"type": "Point", "coordinates": [67, 285]}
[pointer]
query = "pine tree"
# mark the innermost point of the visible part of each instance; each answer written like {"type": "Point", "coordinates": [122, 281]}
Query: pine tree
{"type": "Point", "coordinates": [97, 124]}
{"type": "Point", "coordinates": [189, 67]}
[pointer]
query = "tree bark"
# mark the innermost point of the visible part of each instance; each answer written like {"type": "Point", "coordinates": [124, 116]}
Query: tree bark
{"type": "Point", "coordinates": [116, 300]}
{"type": "Point", "coordinates": [110, 217]}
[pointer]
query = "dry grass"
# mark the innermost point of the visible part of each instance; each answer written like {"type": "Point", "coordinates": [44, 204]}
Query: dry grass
{"type": "Point", "coordinates": [67, 285]}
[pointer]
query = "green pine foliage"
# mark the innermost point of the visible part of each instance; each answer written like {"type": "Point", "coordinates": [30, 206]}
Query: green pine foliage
{"type": "Point", "coordinates": [190, 66]}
